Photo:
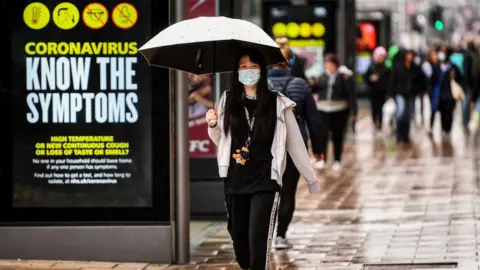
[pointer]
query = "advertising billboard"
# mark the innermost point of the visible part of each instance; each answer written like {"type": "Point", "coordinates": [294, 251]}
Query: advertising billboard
{"type": "Point", "coordinates": [310, 30]}
{"type": "Point", "coordinates": [83, 126]}
{"type": "Point", "coordinates": [365, 43]}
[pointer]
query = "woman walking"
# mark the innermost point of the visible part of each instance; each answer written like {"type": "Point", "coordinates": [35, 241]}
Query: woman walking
{"type": "Point", "coordinates": [337, 102]}
{"type": "Point", "coordinates": [430, 67]}
{"type": "Point", "coordinates": [441, 93]}
{"type": "Point", "coordinates": [376, 78]}
{"type": "Point", "coordinates": [255, 129]}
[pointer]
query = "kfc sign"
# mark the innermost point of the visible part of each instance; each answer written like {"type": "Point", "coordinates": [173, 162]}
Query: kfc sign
{"type": "Point", "coordinates": [199, 146]}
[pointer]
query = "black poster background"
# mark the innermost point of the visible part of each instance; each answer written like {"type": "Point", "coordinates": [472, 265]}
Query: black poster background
{"type": "Point", "coordinates": [303, 14]}
{"type": "Point", "coordinates": [10, 104]}
{"type": "Point", "coordinates": [133, 192]}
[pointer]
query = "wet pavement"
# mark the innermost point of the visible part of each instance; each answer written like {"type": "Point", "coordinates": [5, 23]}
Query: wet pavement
{"type": "Point", "coordinates": [394, 207]}
{"type": "Point", "coordinates": [394, 204]}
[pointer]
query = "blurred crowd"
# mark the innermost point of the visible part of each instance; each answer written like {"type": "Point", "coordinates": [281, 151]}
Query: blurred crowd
{"type": "Point", "coordinates": [439, 79]}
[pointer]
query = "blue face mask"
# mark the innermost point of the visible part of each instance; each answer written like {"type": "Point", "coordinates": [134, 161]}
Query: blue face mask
{"type": "Point", "coordinates": [249, 77]}
{"type": "Point", "coordinates": [441, 56]}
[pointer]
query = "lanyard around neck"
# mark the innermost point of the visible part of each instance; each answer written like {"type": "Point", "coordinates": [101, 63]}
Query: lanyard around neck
{"type": "Point", "coordinates": [250, 122]}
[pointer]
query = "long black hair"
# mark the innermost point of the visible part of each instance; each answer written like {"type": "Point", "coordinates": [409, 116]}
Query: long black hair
{"type": "Point", "coordinates": [265, 114]}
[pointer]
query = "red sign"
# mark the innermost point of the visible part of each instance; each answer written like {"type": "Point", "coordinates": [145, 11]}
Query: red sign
{"type": "Point", "coordinates": [368, 39]}
{"type": "Point", "coordinates": [199, 8]}
{"type": "Point", "coordinates": [201, 94]}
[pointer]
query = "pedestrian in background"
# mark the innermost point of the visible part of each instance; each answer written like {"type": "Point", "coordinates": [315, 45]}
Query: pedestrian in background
{"type": "Point", "coordinates": [406, 80]}
{"type": "Point", "coordinates": [376, 78]}
{"type": "Point", "coordinates": [475, 75]}
{"type": "Point", "coordinates": [305, 111]}
{"type": "Point", "coordinates": [337, 103]}
{"type": "Point", "coordinates": [254, 129]}
{"type": "Point", "coordinates": [295, 62]}
{"type": "Point", "coordinates": [469, 82]}
{"type": "Point", "coordinates": [441, 96]}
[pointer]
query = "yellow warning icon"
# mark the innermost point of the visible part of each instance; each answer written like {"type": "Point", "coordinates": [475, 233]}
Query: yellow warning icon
{"type": "Point", "coordinates": [125, 15]}
{"type": "Point", "coordinates": [66, 16]}
{"type": "Point", "coordinates": [95, 15]}
{"type": "Point", "coordinates": [36, 15]}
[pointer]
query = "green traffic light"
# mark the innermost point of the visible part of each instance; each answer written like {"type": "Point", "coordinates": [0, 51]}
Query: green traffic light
{"type": "Point", "coordinates": [439, 25]}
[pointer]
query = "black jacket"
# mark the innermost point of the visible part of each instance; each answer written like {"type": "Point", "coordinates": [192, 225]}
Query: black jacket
{"type": "Point", "coordinates": [436, 70]}
{"type": "Point", "coordinates": [406, 82]}
{"type": "Point", "coordinates": [299, 91]}
{"type": "Point", "coordinates": [469, 56]}
{"type": "Point", "coordinates": [381, 85]}
{"type": "Point", "coordinates": [343, 90]}
{"type": "Point", "coordinates": [445, 89]}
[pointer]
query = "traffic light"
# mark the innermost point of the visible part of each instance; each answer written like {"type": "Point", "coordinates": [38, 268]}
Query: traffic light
{"type": "Point", "coordinates": [436, 18]}
{"type": "Point", "coordinates": [417, 23]}
{"type": "Point", "coordinates": [439, 25]}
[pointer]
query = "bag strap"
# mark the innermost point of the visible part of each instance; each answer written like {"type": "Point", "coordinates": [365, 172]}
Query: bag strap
{"type": "Point", "coordinates": [286, 85]}
{"type": "Point", "coordinates": [452, 74]}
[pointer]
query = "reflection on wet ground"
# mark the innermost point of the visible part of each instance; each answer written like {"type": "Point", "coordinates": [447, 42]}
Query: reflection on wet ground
{"type": "Point", "coordinates": [393, 204]}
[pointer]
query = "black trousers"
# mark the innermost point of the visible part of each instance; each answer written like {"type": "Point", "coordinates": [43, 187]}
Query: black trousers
{"type": "Point", "coordinates": [376, 102]}
{"type": "Point", "coordinates": [446, 109]}
{"type": "Point", "coordinates": [336, 123]}
{"type": "Point", "coordinates": [251, 222]}
{"type": "Point", "coordinates": [287, 199]}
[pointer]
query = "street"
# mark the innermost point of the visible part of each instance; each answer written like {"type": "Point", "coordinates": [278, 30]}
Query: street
{"type": "Point", "coordinates": [392, 205]}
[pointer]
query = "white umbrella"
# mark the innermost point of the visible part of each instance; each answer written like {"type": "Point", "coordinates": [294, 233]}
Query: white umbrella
{"type": "Point", "coordinates": [208, 45]}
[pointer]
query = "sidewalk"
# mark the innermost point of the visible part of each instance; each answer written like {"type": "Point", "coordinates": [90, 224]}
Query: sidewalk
{"type": "Point", "coordinates": [392, 205]}
{"type": "Point", "coordinates": [199, 231]}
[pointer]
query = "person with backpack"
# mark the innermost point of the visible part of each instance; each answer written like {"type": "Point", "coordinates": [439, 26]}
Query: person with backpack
{"type": "Point", "coordinates": [376, 78]}
{"type": "Point", "coordinates": [295, 62]}
{"type": "Point", "coordinates": [305, 111]}
{"type": "Point", "coordinates": [337, 103]}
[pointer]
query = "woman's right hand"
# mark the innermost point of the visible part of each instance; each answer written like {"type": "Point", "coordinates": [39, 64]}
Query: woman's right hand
{"type": "Point", "coordinates": [211, 118]}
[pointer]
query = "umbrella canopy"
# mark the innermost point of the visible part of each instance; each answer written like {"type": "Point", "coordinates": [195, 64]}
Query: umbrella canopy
{"type": "Point", "coordinates": [208, 44]}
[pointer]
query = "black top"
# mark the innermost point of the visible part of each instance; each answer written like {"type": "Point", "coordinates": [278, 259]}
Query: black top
{"type": "Point", "coordinates": [379, 87]}
{"type": "Point", "coordinates": [343, 89]}
{"type": "Point", "coordinates": [445, 88]}
{"type": "Point", "coordinates": [406, 81]}
{"type": "Point", "coordinates": [255, 175]}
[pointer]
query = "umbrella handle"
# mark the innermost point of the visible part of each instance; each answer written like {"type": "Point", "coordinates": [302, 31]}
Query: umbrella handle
{"type": "Point", "coordinates": [199, 58]}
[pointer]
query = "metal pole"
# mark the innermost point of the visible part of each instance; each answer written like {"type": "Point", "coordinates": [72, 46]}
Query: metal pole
{"type": "Point", "coordinates": [217, 77]}
{"type": "Point", "coordinates": [182, 168]}
{"type": "Point", "coordinates": [341, 30]}
{"type": "Point", "coordinates": [237, 9]}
